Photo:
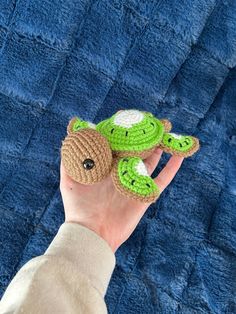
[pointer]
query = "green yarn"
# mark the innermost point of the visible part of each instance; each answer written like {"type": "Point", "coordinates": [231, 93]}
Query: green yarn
{"type": "Point", "coordinates": [183, 144]}
{"type": "Point", "coordinates": [132, 180]}
{"type": "Point", "coordinates": [133, 133]}
{"type": "Point", "coordinates": [146, 134]}
{"type": "Point", "coordinates": [141, 136]}
{"type": "Point", "coordinates": [79, 124]}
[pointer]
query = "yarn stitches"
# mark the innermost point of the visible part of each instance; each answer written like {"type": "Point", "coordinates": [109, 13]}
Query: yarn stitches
{"type": "Point", "coordinates": [117, 146]}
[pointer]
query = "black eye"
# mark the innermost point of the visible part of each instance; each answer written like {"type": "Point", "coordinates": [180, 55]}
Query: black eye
{"type": "Point", "coordinates": [88, 164]}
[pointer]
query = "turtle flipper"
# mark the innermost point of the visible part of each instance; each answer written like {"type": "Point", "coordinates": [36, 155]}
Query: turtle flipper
{"type": "Point", "coordinates": [181, 145]}
{"type": "Point", "coordinates": [167, 125]}
{"type": "Point", "coordinates": [76, 124]}
{"type": "Point", "coordinates": [130, 177]}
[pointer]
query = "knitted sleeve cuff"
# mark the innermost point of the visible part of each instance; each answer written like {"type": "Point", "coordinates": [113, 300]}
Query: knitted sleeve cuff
{"type": "Point", "coordinates": [90, 254]}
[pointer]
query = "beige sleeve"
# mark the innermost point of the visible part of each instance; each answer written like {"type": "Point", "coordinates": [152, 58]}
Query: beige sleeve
{"type": "Point", "coordinates": [71, 277]}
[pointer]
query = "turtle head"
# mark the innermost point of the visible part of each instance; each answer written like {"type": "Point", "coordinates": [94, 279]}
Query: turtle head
{"type": "Point", "coordinates": [85, 153]}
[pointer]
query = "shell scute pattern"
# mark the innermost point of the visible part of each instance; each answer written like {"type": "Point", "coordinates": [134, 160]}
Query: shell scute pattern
{"type": "Point", "coordinates": [137, 132]}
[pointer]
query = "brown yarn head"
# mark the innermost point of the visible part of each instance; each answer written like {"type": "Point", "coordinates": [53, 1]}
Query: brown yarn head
{"type": "Point", "coordinates": [87, 156]}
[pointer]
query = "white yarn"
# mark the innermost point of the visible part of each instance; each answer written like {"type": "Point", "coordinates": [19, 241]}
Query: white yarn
{"type": "Point", "coordinates": [91, 125]}
{"type": "Point", "coordinates": [141, 168]}
{"type": "Point", "coordinates": [127, 118]}
{"type": "Point", "coordinates": [176, 135]}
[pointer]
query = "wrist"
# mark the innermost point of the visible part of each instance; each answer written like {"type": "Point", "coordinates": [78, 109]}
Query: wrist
{"type": "Point", "coordinates": [98, 230]}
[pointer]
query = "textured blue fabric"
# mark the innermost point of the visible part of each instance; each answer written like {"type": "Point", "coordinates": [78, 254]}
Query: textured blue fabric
{"type": "Point", "coordinates": [175, 58]}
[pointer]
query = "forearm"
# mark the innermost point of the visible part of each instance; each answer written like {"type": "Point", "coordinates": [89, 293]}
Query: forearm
{"type": "Point", "coordinates": [71, 277]}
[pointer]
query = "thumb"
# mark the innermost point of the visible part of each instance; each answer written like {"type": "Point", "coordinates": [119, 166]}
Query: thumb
{"type": "Point", "coordinates": [64, 177]}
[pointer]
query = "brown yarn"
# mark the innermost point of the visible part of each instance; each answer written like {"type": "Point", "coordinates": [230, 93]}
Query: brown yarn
{"type": "Point", "coordinates": [90, 144]}
{"type": "Point", "coordinates": [189, 153]}
{"type": "Point", "coordinates": [142, 154]}
{"type": "Point", "coordinates": [126, 192]}
{"type": "Point", "coordinates": [70, 125]}
{"type": "Point", "coordinates": [167, 125]}
{"type": "Point", "coordinates": [86, 144]}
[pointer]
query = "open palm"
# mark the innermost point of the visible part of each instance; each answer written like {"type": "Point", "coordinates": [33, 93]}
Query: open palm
{"type": "Point", "coordinates": [101, 208]}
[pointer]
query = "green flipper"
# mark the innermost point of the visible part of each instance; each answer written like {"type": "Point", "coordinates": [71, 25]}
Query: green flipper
{"type": "Point", "coordinates": [181, 145]}
{"type": "Point", "coordinates": [130, 177]}
{"type": "Point", "coordinates": [76, 124]}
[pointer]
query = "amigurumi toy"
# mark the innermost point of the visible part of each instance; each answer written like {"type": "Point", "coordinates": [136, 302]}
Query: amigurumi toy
{"type": "Point", "coordinates": [118, 145]}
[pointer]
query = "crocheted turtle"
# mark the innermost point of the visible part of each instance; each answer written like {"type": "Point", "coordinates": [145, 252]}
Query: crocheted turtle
{"type": "Point", "coordinates": [118, 146]}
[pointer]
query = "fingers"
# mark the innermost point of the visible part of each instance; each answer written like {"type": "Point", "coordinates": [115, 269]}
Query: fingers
{"type": "Point", "coordinates": [152, 161]}
{"type": "Point", "coordinates": [168, 172]}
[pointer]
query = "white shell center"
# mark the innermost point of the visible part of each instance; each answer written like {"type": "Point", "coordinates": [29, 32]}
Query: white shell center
{"type": "Point", "coordinates": [127, 118]}
{"type": "Point", "coordinates": [91, 125]}
{"type": "Point", "coordinates": [141, 168]}
{"type": "Point", "coordinates": [176, 135]}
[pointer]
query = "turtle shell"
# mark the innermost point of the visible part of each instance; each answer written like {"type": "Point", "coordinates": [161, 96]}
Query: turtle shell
{"type": "Point", "coordinates": [131, 131]}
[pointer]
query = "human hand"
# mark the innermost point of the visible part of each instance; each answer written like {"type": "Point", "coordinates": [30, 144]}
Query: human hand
{"type": "Point", "coordinates": [101, 208]}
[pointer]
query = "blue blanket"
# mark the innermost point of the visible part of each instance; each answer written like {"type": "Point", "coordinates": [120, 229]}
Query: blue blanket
{"type": "Point", "coordinates": [175, 58]}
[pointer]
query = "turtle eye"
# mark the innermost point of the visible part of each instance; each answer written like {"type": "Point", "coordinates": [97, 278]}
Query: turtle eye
{"type": "Point", "coordinates": [88, 164]}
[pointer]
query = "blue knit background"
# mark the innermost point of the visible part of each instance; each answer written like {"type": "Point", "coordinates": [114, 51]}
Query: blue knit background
{"type": "Point", "coordinates": [175, 58]}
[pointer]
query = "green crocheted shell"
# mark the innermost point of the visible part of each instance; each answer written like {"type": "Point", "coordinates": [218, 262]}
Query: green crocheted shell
{"type": "Point", "coordinates": [130, 177]}
{"type": "Point", "coordinates": [139, 132]}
